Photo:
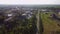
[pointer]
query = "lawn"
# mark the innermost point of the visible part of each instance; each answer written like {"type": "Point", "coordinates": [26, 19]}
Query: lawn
{"type": "Point", "coordinates": [50, 26]}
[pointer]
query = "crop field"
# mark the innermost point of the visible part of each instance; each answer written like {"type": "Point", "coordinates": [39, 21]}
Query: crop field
{"type": "Point", "coordinates": [49, 24]}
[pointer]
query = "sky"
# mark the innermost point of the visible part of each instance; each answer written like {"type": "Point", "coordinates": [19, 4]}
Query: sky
{"type": "Point", "coordinates": [30, 2]}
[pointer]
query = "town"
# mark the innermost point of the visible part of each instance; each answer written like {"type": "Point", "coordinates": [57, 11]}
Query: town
{"type": "Point", "coordinates": [36, 19]}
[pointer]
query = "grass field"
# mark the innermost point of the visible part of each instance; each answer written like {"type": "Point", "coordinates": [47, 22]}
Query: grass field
{"type": "Point", "coordinates": [50, 25]}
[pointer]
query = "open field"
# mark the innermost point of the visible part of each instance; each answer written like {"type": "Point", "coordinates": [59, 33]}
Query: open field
{"type": "Point", "coordinates": [50, 25]}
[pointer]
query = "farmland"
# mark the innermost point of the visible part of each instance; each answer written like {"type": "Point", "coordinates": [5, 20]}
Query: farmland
{"type": "Point", "coordinates": [50, 24]}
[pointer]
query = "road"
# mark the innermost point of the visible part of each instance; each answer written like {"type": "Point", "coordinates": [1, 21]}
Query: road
{"type": "Point", "coordinates": [39, 23]}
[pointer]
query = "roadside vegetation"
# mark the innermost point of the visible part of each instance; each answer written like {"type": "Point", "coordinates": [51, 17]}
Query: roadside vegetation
{"type": "Point", "coordinates": [19, 26]}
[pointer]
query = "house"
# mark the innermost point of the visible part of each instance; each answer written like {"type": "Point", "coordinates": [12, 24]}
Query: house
{"type": "Point", "coordinates": [56, 14]}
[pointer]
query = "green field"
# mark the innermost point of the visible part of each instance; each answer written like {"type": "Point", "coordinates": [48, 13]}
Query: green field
{"type": "Point", "coordinates": [49, 24]}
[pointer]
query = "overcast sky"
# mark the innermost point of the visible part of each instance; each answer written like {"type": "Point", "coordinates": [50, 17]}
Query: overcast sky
{"type": "Point", "coordinates": [29, 2]}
